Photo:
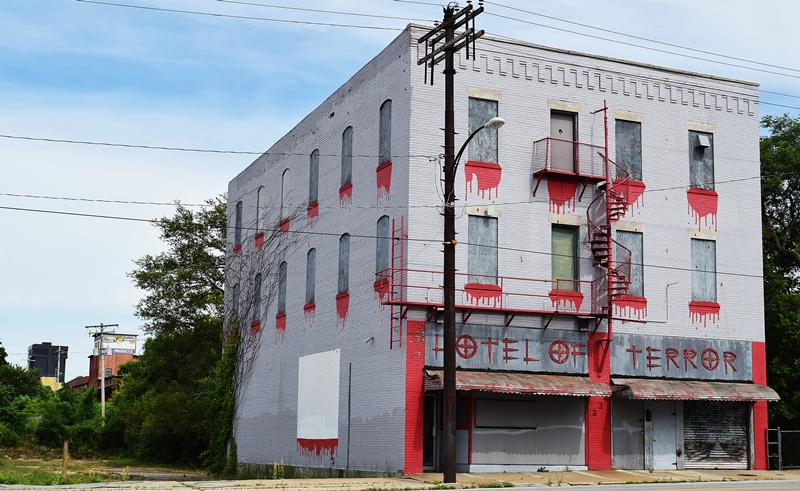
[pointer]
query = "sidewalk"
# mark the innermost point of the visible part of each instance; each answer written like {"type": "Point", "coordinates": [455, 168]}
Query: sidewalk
{"type": "Point", "coordinates": [433, 481]}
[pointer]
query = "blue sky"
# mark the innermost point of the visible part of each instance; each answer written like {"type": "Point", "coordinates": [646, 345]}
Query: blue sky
{"type": "Point", "coordinates": [81, 71]}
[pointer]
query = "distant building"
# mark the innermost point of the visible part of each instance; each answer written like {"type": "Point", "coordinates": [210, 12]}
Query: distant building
{"type": "Point", "coordinates": [119, 349]}
{"type": "Point", "coordinates": [51, 361]}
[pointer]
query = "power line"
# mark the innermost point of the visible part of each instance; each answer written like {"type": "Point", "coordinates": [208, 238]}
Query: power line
{"type": "Point", "coordinates": [244, 17]}
{"type": "Point", "coordinates": [355, 14]}
{"type": "Point", "coordinates": [618, 33]}
{"type": "Point", "coordinates": [97, 200]}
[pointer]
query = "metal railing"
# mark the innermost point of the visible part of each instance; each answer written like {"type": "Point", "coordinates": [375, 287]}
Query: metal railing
{"type": "Point", "coordinates": [783, 448]}
{"type": "Point", "coordinates": [570, 157]}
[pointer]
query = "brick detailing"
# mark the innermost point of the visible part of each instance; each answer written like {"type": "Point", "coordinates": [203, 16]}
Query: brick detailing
{"type": "Point", "coordinates": [598, 433]}
{"type": "Point", "coordinates": [760, 408]}
{"type": "Point", "coordinates": [415, 396]}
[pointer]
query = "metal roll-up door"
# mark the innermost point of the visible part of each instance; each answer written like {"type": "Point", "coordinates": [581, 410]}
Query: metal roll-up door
{"type": "Point", "coordinates": [715, 435]}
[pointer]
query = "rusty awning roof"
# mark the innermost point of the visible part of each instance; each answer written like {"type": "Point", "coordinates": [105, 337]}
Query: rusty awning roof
{"type": "Point", "coordinates": [519, 383]}
{"type": "Point", "coordinates": [691, 390]}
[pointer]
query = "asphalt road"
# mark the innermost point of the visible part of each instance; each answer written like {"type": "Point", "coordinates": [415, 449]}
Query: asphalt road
{"type": "Point", "coordinates": [692, 486]}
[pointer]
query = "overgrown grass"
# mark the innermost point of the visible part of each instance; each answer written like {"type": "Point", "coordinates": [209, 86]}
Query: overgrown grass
{"type": "Point", "coordinates": [41, 478]}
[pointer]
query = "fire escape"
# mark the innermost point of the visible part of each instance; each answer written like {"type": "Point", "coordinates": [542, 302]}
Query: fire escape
{"type": "Point", "coordinates": [402, 288]}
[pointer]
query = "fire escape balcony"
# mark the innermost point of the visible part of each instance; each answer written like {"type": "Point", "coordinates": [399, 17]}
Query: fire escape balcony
{"type": "Point", "coordinates": [501, 294]}
{"type": "Point", "coordinates": [568, 159]}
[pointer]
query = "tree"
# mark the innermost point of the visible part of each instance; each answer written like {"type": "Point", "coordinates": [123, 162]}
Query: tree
{"type": "Point", "coordinates": [780, 194]}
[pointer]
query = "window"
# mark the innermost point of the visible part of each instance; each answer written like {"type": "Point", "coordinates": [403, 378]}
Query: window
{"type": "Point", "coordinates": [385, 141]}
{"type": "Point", "coordinates": [628, 137]}
{"type": "Point", "coordinates": [563, 126]}
{"type": "Point", "coordinates": [311, 275]}
{"type": "Point", "coordinates": [282, 272]}
{"type": "Point", "coordinates": [344, 263]}
{"type": "Point", "coordinates": [108, 372]}
{"type": "Point", "coordinates": [235, 302]}
{"type": "Point", "coordinates": [237, 234]}
{"type": "Point", "coordinates": [701, 160]}
{"type": "Point", "coordinates": [482, 251]}
{"type": "Point", "coordinates": [383, 244]}
{"type": "Point", "coordinates": [313, 177]}
{"type": "Point", "coordinates": [633, 241]}
{"type": "Point", "coordinates": [564, 262]}
{"type": "Point", "coordinates": [482, 148]}
{"type": "Point", "coordinates": [347, 156]}
{"type": "Point", "coordinates": [257, 298]}
{"type": "Point", "coordinates": [285, 190]}
{"type": "Point", "coordinates": [261, 209]}
{"type": "Point", "coordinates": [704, 270]}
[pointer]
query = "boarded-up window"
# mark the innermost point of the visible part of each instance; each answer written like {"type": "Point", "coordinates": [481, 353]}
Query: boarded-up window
{"type": "Point", "coordinates": [237, 231]}
{"type": "Point", "coordinates": [704, 270]}
{"type": "Point", "coordinates": [257, 298]}
{"type": "Point", "coordinates": [235, 302]}
{"type": "Point", "coordinates": [482, 250]}
{"type": "Point", "coordinates": [628, 136]}
{"type": "Point", "coordinates": [633, 241]}
{"type": "Point", "coordinates": [313, 177]}
{"type": "Point", "coordinates": [347, 155]}
{"type": "Point", "coordinates": [564, 256]}
{"type": "Point", "coordinates": [701, 160]}
{"type": "Point", "coordinates": [482, 148]}
{"type": "Point", "coordinates": [285, 191]}
{"type": "Point", "coordinates": [261, 209]}
{"type": "Point", "coordinates": [344, 263]}
{"type": "Point", "coordinates": [382, 247]}
{"type": "Point", "coordinates": [385, 142]}
{"type": "Point", "coordinates": [282, 272]}
{"type": "Point", "coordinates": [311, 275]}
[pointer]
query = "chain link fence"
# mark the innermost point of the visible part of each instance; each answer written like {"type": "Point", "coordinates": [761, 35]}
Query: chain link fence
{"type": "Point", "coordinates": [784, 448]}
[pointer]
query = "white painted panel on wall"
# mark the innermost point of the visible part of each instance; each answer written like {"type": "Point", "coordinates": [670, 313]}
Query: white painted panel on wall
{"type": "Point", "coordinates": [318, 396]}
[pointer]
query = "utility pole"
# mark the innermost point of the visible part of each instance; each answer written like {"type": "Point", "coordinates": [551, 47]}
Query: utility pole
{"type": "Point", "coordinates": [58, 367]}
{"type": "Point", "coordinates": [453, 19]}
{"type": "Point", "coordinates": [101, 330]}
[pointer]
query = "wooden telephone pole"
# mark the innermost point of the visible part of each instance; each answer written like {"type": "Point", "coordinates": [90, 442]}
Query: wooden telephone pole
{"type": "Point", "coordinates": [453, 19]}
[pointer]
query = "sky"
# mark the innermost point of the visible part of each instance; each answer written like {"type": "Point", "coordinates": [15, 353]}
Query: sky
{"type": "Point", "coordinates": [95, 72]}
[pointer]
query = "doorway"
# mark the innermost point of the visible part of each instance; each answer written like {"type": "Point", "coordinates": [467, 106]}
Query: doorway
{"type": "Point", "coordinates": [563, 129]}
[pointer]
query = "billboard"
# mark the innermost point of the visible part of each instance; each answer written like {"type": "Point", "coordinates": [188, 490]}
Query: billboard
{"type": "Point", "coordinates": [116, 343]}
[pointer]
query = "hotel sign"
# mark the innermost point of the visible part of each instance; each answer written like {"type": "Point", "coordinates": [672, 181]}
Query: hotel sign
{"type": "Point", "coordinates": [509, 348]}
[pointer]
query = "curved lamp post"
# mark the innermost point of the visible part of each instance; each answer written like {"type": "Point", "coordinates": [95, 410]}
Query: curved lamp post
{"type": "Point", "coordinates": [492, 124]}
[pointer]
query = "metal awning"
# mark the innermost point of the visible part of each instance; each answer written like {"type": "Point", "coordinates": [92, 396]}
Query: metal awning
{"type": "Point", "coordinates": [519, 383]}
{"type": "Point", "coordinates": [691, 390]}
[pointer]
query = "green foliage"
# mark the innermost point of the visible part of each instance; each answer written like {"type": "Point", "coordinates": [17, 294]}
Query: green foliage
{"type": "Point", "coordinates": [18, 387]}
{"type": "Point", "coordinates": [220, 457]}
{"type": "Point", "coordinates": [64, 415]}
{"type": "Point", "coordinates": [780, 194]}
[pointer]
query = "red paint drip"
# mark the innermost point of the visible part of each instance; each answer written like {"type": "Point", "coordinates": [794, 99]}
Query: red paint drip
{"type": "Point", "coordinates": [317, 447]}
{"type": "Point", "coordinates": [237, 248]}
{"type": "Point", "coordinates": [280, 321]}
{"type": "Point", "coordinates": [259, 240]}
{"type": "Point", "coordinates": [566, 299]}
{"type": "Point", "coordinates": [488, 175]}
{"type": "Point", "coordinates": [702, 203]}
{"type": "Point", "coordinates": [482, 294]}
{"type": "Point", "coordinates": [384, 179]}
{"type": "Point", "coordinates": [562, 194]}
{"type": "Point", "coordinates": [313, 213]}
{"type": "Point", "coordinates": [255, 328]}
{"type": "Point", "coordinates": [633, 193]}
{"type": "Point", "coordinates": [346, 194]}
{"type": "Point", "coordinates": [342, 305]}
{"type": "Point", "coordinates": [309, 310]}
{"type": "Point", "coordinates": [284, 226]}
{"type": "Point", "coordinates": [382, 289]}
{"type": "Point", "coordinates": [704, 311]}
{"type": "Point", "coordinates": [628, 305]}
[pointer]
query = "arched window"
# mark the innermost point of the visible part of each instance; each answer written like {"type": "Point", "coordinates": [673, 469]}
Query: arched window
{"type": "Point", "coordinates": [313, 177]}
{"type": "Point", "coordinates": [347, 156]}
{"type": "Point", "coordinates": [383, 244]}
{"type": "Point", "coordinates": [261, 209]}
{"type": "Point", "coordinates": [311, 275]}
{"type": "Point", "coordinates": [385, 130]}
{"type": "Point", "coordinates": [285, 190]}
{"type": "Point", "coordinates": [257, 298]}
{"type": "Point", "coordinates": [235, 302]}
{"type": "Point", "coordinates": [344, 263]}
{"type": "Point", "coordinates": [282, 272]}
{"type": "Point", "coordinates": [237, 234]}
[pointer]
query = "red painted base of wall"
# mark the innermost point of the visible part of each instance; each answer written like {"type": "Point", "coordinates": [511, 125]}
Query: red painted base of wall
{"type": "Point", "coordinates": [760, 408]}
{"type": "Point", "coordinates": [415, 396]}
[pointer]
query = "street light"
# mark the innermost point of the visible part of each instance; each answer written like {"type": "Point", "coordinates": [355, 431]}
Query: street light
{"type": "Point", "coordinates": [449, 301]}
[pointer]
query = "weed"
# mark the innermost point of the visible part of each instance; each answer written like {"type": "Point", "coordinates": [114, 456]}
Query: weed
{"type": "Point", "coordinates": [542, 469]}
{"type": "Point", "coordinates": [278, 470]}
